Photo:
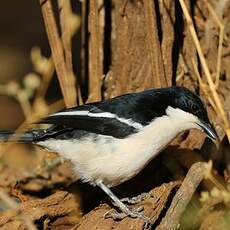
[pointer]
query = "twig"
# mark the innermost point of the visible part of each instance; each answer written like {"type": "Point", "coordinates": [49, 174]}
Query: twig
{"type": "Point", "coordinates": [193, 178]}
{"type": "Point", "coordinates": [65, 15]}
{"type": "Point", "coordinates": [24, 102]}
{"type": "Point", "coordinates": [221, 39]}
{"type": "Point", "coordinates": [11, 204]}
{"type": "Point", "coordinates": [69, 24]}
{"type": "Point", "coordinates": [154, 44]}
{"type": "Point", "coordinates": [66, 81]}
{"type": "Point", "coordinates": [203, 86]}
{"type": "Point", "coordinates": [95, 65]}
{"type": "Point", "coordinates": [206, 69]}
{"type": "Point", "coordinates": [45, 67]}
{"type": "Point", "coordinates": [168, 38]}
{"type": "Point", "coordinates": [84, 43]}
{"type": "Point", "coordinates": [220, 48]}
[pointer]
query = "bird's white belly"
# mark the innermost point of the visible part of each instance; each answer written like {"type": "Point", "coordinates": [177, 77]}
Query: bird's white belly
{"type": "Point", "coordinates": [113, 160]}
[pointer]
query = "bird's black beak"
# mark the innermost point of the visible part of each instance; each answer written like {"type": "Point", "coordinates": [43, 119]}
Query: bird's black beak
{"type": "Point", "coordinates": [209, 130]}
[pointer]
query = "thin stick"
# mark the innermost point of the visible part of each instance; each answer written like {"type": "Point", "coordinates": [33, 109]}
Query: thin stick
{"type": "Point", "coordinates": [193, 178]}
{"type": "Point", "coordinates": [220, 48]}
{"type": "Point", "coordinates": [67, 19]}
{"type": "Point", "coordinates": [95, 65]}
{"type": "Point", "coordinates": [154, 45]}
{"type": "Point", "coordinates": [46, 79]}
{"type": "Point", "coordinates": [25, 103]}
{"type": "Point", "coordinates": [203, 87]}
{"type": "Point", "coordinates": [214, 14]}
{"type": "Point", "coordinates": [205, 68]}
{"type": "Point", "coordinates": [84, 48]}
{"type": "Point", "coordinates": [66, 81]}
{"type": "Point", "coordinates": [167, 41]}
{"type": "Point", "coordinates": [221, 39]}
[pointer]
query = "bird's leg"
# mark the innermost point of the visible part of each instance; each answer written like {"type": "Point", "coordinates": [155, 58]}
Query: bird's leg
{"type": "Point", "coordinates": [125, 210]}
{"type": "Point", "coordinates": [135, 199]}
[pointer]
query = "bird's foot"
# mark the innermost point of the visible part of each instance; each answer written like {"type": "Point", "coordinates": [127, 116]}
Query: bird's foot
{"type": "Point", "coordinates": [115, 215]}
{"type": "Point", "coordinates": [135, 213]}
{"type": "Point", "coordinates": [125, 211]}
{"type": "Point", "coordinates": [135, 199]}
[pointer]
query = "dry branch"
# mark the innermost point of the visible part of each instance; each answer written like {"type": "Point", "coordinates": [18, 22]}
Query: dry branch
{"type": "Point", "coordinates": [61, 205]}
{"type": "Point", "coordinates": [45, 67]}
{"type": "Point", "coordinates": [95, 65]}
{"type": "Point", "coordinates": [193, 178]}
{"type": "Point", "coordinates": [204, 87]}
{"type": "Point", "coordinates": [69, 24]}
{"type": "Point", "coordinates": [153, 205]}
{"type": "Point", "coordinates": [221, 39]}
{"type": "Point", "coordinates": [168, 38]}
{"type": "Point", "coordinates": [66, 80]}
{"type": "Point", "coordinates": [154, 44]}
{"type": "Point", "coordinates": [188, 51]}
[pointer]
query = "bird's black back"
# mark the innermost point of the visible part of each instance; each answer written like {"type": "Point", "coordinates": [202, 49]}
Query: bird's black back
{"type": "Point", "coordinates": [141, 108]}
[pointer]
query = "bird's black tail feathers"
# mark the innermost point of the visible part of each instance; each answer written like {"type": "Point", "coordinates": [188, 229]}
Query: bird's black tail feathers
{"type": "Point", "coordinates": [34, 135]}
{"type": "Point", "coordinates": [9, 135]}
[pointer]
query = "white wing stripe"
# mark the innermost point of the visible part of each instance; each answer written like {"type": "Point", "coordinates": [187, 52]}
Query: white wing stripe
{"type": "Point", "coordinates": [104, 114]}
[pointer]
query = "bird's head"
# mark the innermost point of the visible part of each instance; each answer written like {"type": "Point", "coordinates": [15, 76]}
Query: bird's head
{"type": "Point", "coordinates": [187, 106]}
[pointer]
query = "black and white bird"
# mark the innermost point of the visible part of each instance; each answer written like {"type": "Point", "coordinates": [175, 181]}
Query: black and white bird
{"type": "Point", "coordinates": [111, 141]}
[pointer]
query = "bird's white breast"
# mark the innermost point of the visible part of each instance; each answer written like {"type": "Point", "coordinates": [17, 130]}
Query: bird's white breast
{"type": "Point", "coordinates": [113, 160]}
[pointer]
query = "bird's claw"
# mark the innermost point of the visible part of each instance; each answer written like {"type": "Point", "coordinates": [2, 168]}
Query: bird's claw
{"type": "Point", "coordinates": [135, 213]}
{"type": "Point", "coordinates": [115, 215]}
{"type": "Point", "coordinates": [135, 199]}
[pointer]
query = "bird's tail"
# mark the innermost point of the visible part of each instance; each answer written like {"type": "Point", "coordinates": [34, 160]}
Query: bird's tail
{"type": "Point", "coordinates": [27, 136]}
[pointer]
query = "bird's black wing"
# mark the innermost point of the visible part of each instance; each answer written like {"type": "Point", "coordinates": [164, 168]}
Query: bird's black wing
{"type": "Point", "coordinates": [140, 107]}
{"type": "Point", "coordinates": [117, 117]}
{"type": "Point", "coordinates": [88, 118]}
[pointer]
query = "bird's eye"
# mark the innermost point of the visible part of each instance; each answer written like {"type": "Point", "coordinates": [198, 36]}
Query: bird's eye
{"type": "Point", "coordinates": [194, 108]}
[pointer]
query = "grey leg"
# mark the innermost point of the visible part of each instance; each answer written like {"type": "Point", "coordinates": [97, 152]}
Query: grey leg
{"type": "Point", "coordinates": [125, 210]}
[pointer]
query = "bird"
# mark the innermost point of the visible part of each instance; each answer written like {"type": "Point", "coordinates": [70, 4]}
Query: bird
{"type": "Point", "coordinates": [111, 141]}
